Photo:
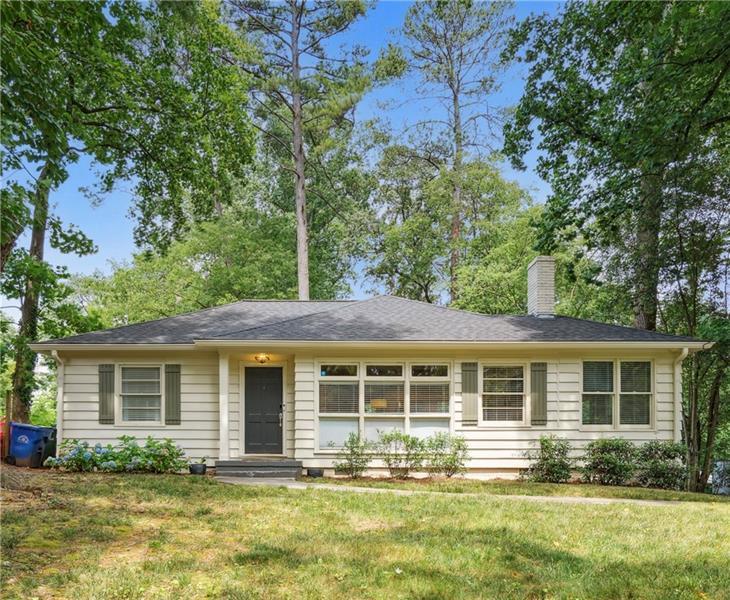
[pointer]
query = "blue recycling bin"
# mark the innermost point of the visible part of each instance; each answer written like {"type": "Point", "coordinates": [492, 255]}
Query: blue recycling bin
{"type": "Point", "coordinates": [28, 443]}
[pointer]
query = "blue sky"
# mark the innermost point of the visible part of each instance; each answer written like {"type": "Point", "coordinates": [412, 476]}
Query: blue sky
{"type": "Point", "coordinates": [110, 225]}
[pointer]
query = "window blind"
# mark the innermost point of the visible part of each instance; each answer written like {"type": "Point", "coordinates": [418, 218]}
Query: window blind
{"type": "Point", "coordinates": [430, 397]}
{"type": "Point", "coordinates": [338, 397]}
{"type": "Point", "coordinates": [141, 400]}
{"type": "Point", "coordinates": [503, 398]}
{"type": "Point", "coordinates": [384, 397]}
{"type": "Point", "coordinates": [598, 376]}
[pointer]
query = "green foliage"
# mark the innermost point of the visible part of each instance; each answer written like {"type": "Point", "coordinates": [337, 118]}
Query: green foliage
{"type": "Point", "coordinates": [446, 454]}
{"type": "Point", "coordinates": [155, 456]}
{"type": "Point", "coordinates": [354, 457]}
{"type": "Point", "coordinates": [660, 464]}
{"type": "Point", "coordinates": [401, 453]}
{"type": "Point", "coordinates": [551, 462]}
{"type": "Point", "coordinates": [722, 443]}
{"type": "Point", "coordinates": [609, 461]}
{"type": "Point", "coordinates": [43, 410]}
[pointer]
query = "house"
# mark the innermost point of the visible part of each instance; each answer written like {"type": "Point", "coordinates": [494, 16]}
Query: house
{"type": "Point", "coordinates": [254, 381]}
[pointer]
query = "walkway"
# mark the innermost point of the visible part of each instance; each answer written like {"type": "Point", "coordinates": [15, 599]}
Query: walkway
{"type": "Point", "coordinates": [303, 485]}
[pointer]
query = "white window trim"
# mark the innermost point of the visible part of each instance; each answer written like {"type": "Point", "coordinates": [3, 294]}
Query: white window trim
{"type": "Point", "coordinates": [616, 395]}
{"type": "Point", "coordinates": [362, 378]}
{"type": "Point", "coordinates": [526, 398]}
{"type": "Point", "coordinates": [118, 415]}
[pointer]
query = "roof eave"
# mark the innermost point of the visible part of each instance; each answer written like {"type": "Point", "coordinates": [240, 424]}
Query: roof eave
{"type": "Point", "coordinates": [255, 344]}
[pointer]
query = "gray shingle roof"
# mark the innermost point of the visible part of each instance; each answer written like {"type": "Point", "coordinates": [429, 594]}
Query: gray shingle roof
{"type": "Point", "coordinates": [382, 318]}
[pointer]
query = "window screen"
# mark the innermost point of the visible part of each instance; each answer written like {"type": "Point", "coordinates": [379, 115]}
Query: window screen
{"type": "Point", "coordinates": [338, 397]}
{"type": "Point", "coordinates": [141, 394]}
{"type": "Point", "coordinates": [503, 398]}
{"type": "Point", "coordinates": [384, 397]}
{"type": "Point", "coordinates": [635, 397]}
{"type": "Point", "coordinates": [429, 397]}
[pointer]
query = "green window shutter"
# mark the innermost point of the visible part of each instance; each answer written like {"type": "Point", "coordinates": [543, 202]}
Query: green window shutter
{"type": "Point", "coordinates": [469, 393]}
{"type": "Point", "coordinates": [538, 393]}
{"type": "Point", "coordinates": [106, 394]}
{"type": "Point", "coordinates": [172, 394]}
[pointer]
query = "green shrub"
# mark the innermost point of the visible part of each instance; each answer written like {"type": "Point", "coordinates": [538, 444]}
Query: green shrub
{"type": "Point", "coordinates": [610, 461]}
{"type": "Point", "coordinates": [660, 464]}
{"type": "Point", "coordinates": [446, 454]}
{"type": "Point", "coordinates": [550, 461]}
{"type": "Point", "coordinates": [354, 457]}
{"type": "Point", "coordinates": [401, 453]}
{"type": "Point", "coordinates": [156, 456]}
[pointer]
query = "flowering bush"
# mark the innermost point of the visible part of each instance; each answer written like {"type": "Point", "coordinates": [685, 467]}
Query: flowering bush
{"type": "Point", "coordinates": [155, 456]}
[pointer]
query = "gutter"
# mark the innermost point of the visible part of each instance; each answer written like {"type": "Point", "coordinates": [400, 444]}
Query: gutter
{"type": "Point", "coordinates": [678, 394]}
{"type": "Point", "coordinates": [60, 377]}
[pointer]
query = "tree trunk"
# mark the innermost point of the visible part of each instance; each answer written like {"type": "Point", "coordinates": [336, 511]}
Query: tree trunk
{"type": "Point", "coordinates": [298, 150]}
{"type": "Point", "coordinates": [25, 358]}
{"type": "Point", "coordinates": [646, 260]}
{"type": "Point", "coordinates": [456, 207]}
{"type": "Point", "coordinates": [713, 419]}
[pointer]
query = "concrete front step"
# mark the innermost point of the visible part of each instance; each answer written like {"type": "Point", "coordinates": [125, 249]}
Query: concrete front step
{"type": "Point", "coordinates": [281, 468]}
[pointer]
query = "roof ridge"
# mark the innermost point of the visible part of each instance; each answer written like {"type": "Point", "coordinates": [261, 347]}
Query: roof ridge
{"type": "Point", "coordinates": [273, 323]}
{"type": "Point", "coordinates": [461, 310]}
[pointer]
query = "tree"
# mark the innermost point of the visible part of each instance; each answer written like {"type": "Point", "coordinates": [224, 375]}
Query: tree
{"type": "Point", "coordinates": [453, 47]}
{"type": "Point", "coordinates": [248, 252]}
{"type": "Point", "coordinates": [302, 90]}
{"type": "Point", "coordinates": [620, 94]}
{"type": "Point", "coordinates": [116, 81]}
{"type": "Point", "coordinates": [632, 104]}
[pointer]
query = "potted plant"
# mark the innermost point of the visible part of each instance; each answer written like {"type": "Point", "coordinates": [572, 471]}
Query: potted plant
{"type": "Point", "coordinates": [199, 467]}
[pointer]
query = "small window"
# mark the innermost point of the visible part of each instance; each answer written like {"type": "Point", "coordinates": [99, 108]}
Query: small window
{"type": "Point", "coordinates": [338, 397]}
{"type": "Point", "coordinates": [429, 370]}
{"type": "Point", "coordinates": [141, 394]}
{"type": "Point", "coordinates": [503, 393]}
{"type": "Point", "coordinates": [384, 370]}
{"type": "Point", "coordinates": [384, 397]}
{"type": "Point", "coordinates": [598, 393]}
{"type": "Point", "coordinates": [429, 397]}
{"type": "Point", "coordinates": [635, 397]}
{"type": "Point", "coordinates": [338, 371]}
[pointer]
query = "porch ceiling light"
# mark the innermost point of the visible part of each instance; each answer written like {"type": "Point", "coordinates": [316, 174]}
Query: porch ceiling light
{"type": "Point", "coordinates": [262, 358]}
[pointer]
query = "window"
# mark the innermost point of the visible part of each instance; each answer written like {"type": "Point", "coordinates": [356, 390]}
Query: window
{"type": "Point", "coordinates": [384, 397]}
{"type": "Point", "coordinates": [635, 397]}
{"type": "Point", "coordinates": [603, 406]}
{"type": "Point", "coordinates": [370, 397]}
{"type": "Point", "coordinates": [338, 371]}
{"type": "Point", "coordinates": [503, 393]}
{"type": "Point", "coordinates": [141, 394]}
{"type": "Point", "coordinates": [598, 393]}
{"type": "Point", "coordinates": [430, 389]}
{"type": "Point", "coordinates": [384, 370]}
{"type": "Point", "coordinates": [340, 397]}
{"type": "Point", "coordinates": [429, 370]}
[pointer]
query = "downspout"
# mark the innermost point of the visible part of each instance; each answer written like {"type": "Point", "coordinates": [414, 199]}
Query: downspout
{"type": "Point", "coordinates": [60, 374]}
{"type": "Point", "coordinates": [678, 394]}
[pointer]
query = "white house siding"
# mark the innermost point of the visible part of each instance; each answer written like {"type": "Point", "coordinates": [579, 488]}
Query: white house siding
{"type": "Point", "coordinates": [494, 450]}
{"type": "Point", "coordinates": [198, 432]}
{"type": "Point", "coordinates": [500, 449]}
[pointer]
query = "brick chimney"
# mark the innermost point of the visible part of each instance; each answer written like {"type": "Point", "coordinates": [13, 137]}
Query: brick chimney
{"type": "Point", "coordinates": [541, 287]}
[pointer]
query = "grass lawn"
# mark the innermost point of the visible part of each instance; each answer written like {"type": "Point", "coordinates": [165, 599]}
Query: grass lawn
{"type": "Point", "coordinates": [143, 536]}
{"type": "Point", "coordinates": [520, 488]}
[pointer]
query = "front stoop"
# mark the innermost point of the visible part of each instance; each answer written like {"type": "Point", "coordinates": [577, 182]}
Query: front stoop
{"type": "Point", "coordinates": [273, 468]}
